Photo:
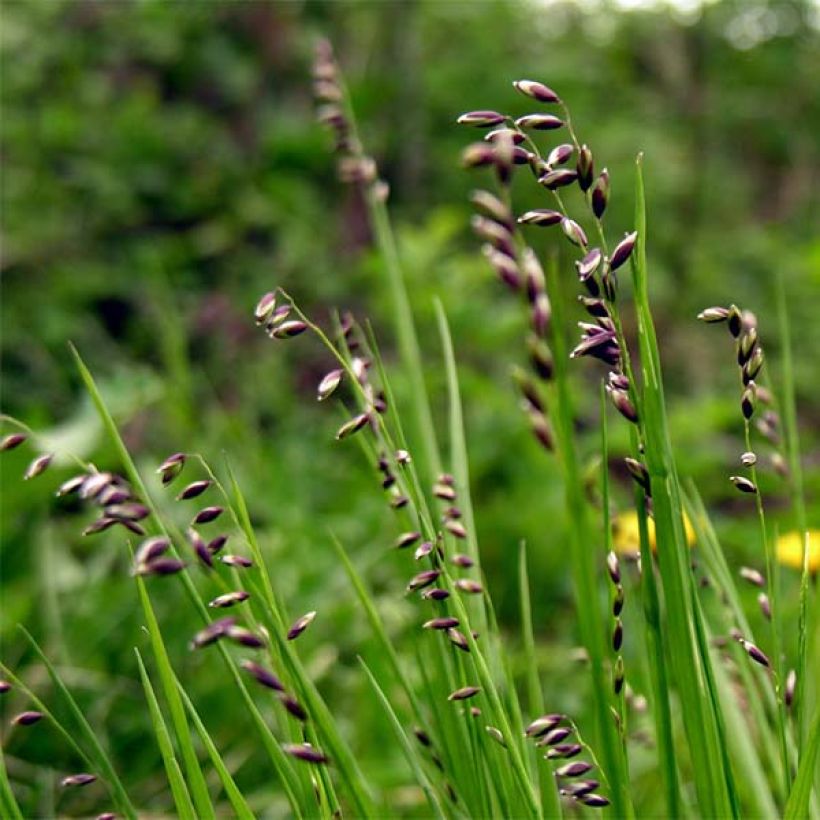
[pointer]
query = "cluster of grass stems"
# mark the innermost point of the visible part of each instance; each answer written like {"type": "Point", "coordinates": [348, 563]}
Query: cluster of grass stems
{"type": "Point", "coordinates": [478, 739]}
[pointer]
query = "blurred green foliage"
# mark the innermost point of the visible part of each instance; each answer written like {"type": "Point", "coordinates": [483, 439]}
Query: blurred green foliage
{"type": "Point", "coordinates": [162, 169]}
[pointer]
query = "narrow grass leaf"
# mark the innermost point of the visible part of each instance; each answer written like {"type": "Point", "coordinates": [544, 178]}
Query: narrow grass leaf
{"type": "Point", "coordinates": [797, 806]}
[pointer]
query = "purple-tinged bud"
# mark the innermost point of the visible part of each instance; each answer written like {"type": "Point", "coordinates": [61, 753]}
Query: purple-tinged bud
{"type": "Point", "coordinates": [790, 688]}
{"type": "Point", "coordinates": [540, 358]}
{"type": "Point", "coordinates": [613, 567]}
{"type": "Point", "coordinates": [504, 134]}
{"type": "Point", "coordinates": [28, 718]}
{"type": "Point", "coordinates": [539, 122]}
{"type": "Point", "coordinates": [150, 549]}
{"type": "Point", "coordinates": [618, 381]}
{"type": "Point", "coordinates": [305, 752]}
{"type": "Point", "coordinates": [765, 605]}
{"type": "Point", "coordinates": [71, 485]}
{"type": "Point", "coordinates": [208, 514]}
{"type": "Point", "coordinates": [536, 91]}
{"type": "Point", "coordinates": [329, 384]}
{"type": "Point", "coordinates": [618, 635]}
{"type": "Point", "coordinates": [211, 633]}
{"type": "Point", "coordinates": [130, 511]}
{"type": "Point", "coordinates": [575, 769]}
{"type": "Point", "coordinates": [748, 459]}
{"type": "Point", "coordinates": [620, 399]}
{"type": "Point", "coordinates": [194, 489]}
{"type": "Point", "coordinates": [764, 395]}
{"type": "Point", "coordinates": [542, 430]}
{"type": "Point", "coordinates": [423, 579]}
{"type": "Point", "coordinates": [448, 479]}
{"type": "Point", "coordinates": [504, 266]}
{"type": "Point", "coordinates": [580, 788]}
{"type": "Point", "coordinates": [752, 576]}
{"type": "Point", "coordinates": [444, 492]}
{"type": "Point", "coordinates": [352, 426]}
{"type": "Point", "coordinates": [112, 494]}
{"type": "Point", "coordinates": [540, 216]}
{"type": "Point", "coordinates": [560, 154]}
{"type": "Point", "coordinates": [559, 178]}
{"type": "Point", "coordinates": [469, 586]}
{"type": "Point", "coordinates": [216, 544]}
{"type": "Point", "coordinates": [452, 512]}
{"type": "Point", "coordinates": [587, 266]}
{"type": "Point", "coordinates": [164, 565]}
{"type": "Point", "coordinates": [423, 550]}
{"type": "Point", "coordinates": [300, 625]}
{"type": "Point", "coordinates": [495, 233]}
{"type": "Point", "coordinates": [81, 779]}
{"type": "Point", "coordinates": [562, 751]}
{"type": "Point", "coordinates": [277, 317]}
{"type": "Point", "coordinates": [638, 471]}
{"type": "Point", "coordinates": [713, 315]}
{"type": "Point", "coordinates": [584, 166]}
{"type": "Point", "coordinates": [435, 594]}
{"type": "Point", "coordinates": [496, 735]}
{"type": "Point", "coordinates": [555, 735]}
{"type": "Point", "coordinates": [38, 466]}
{"type": "Point", "coordinates": [600, 194]}
{"type": "Point", "coordinates": [541, 725]}
{"type": "Point", "coordinates": [455, 528]}
{"type": "Point", "coordinates": [478, 155]}
{"type": "Point", "coordinates": [481, 119]}
{"type": "Point", "coordinates": [743, 484]}
{"type": "Point", "coordinates": [244, 637]}
{"type": "Point", "coordinates": [492, 205]}
{"type": "Point", "coordinates": [5, 686]}
{"type": "Point", "coordinates": [754, 652]}
{"type": "Point", "coordinates": [11, 441]}
{"type": "Point", "coordinates": [753, 366]}
{"type": "Point", "coordinates": [102, 524]}
{"type": "Point", "coordinates": [746, 346]}
{"type": "Point", "coordinates": [747, 403]}
{"type": "Point", "coordinates": [464, 693]}
{"type": "Point", "coordinates": [289, 329]}
{"type": "Point", "coordinates": [461, 560]}
{"type": "Point", "coordinates": [574, 232]}
{"type": "Point", "coordinates": [171, 468]}
{"type": "Point", "coordinates": [407, 539]}
{"type": "Point", "coordinates": [618, 601]}
{"type": "Point", "coordinates": [293, 707]}
{"type": "Point", "coordinates": [618, 676]}
{"type": "Point", "coordinates": [262, 675]}
{"type": "Point", "coordinates": [623, 250]}
{"type": "Point", "coordinates": [595, 801]}
{"type": "Point", "coordinates": [229, 599]}
{"type": "Point", "coordinates": [458, 639]}
{"type": "Point", "coordinates": [237, 561]}
{"type": "Point", "coordinates": [441, 623]}
{"type": "Point", "coordinates": [735, 320]}
{"type": "Point", "coordinates": [94, 484]}
{"type": "Point", "coordinates": [264, 308]}
{"type": "Point", "coordinates": [592, 342]}
{"type": "Point", "coordinates": [541, 314]}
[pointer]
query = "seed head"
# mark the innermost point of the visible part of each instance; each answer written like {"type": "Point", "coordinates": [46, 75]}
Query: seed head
{"type": "Point", "coordinates": [747, 403]}
{"type": "Point", "coordinates": [574, 769]}
{"type": "Point", "coordinates": [293, 706]}
{"type": "Point", "coordinates": [287, 330]}
{"type": "Point", "coordinates": [574, 232]}
{"type": "Point", "coordinates": [464, 693]}
{"type": "Point", "coordinates": [456, 528]}
{"type": "Point", "coordinates": [735, 320]}
{"type": "Point", "coordinates": [71, 485]}
{"type": "Point", "coordinates": [94, 484]}
{"type": "Point", "coordinates": [563, 751]}
{"type": "Point", "coordinates": [539, 122]}
{"type": "Point", "coordinates": [584, 167]}
{"type": "Point", "coordinates": [543, 217]}
{"type": "Point", "coordinates": [754, 652]}
{"type": "Point", "coordinates": [435, 594]}
{"type": "Point", "coordinates": [461, 560]}
{"type": "Point", "coordinates": [262, 675]}
{"type": "Point", "coordinates": [211, 633]}
{"type": "Point", "coordinates": [752, 576]}
{"type": "Point", "coordinates": [11, 441]}
{"type": "Point", "coordinates": [765, 605]}
{"type": "Point", "coordinates": [423, 579]}
{"type": "Point", "coordinates": [150, 549]}
{"type": "Point", "coordinates": [743, 484]}
{"type": "Point", "coordinates": [481, 119]}
{"type": "Point", "coordinates": [458, 639]}
{"type": "Point", "coordinates": [200, 548]}
{"type": "Point", "coordinates": [407, 539]}
{"type": "Point", "coordinates": [623, 250]}
{"type": "Point", "coordinates": [329, 384]}
{"type": "Point", "coordinates": [164, 565]}
{"type": "Point", "coordinates": [469, 586]}
{"type": "Point", "coordinates": [617, 635]}
{"type": "Point", "coordinates": [264, 308]}
{"type": "Point", "coordinates": [600, 194]}
{"type": "Point", "coordinates": [746, 346]}
{"type": "Point", "coordinates": [558, 178]}
{"type": "Point", "coordinates": [613, 567]}
{"type": "Point", "coordinates": [171, 468]}
{"type": "Point", "coordinates": [128, 511]}
{"type": "Point", "coordinates": [542, 725]}
{"type": "Point", "coordinates": [423, 550]}
{"type": "Point", "coordinates": [81, 779]}
{"type": "Point", "coordinates": [244, 637]}
{"type": "Point", "coordinates": [441, 623]}
{"type": "Point", "coordinates": [229, 599]}
{"type": "Point", "coordinates": [238, 561]}
{"type": "Point", "coordinates": [112, 494]}
{"type": "Point", "coordinates": [623, 404]}
{"type": "Point", "coordinates": [27, 718]}
{"type": "Point", "coordinates": [38, 466]}
{"type": "Point", "coordinates": [217, 543]}
{"type": "Point", "coordinates": [753, 366]}
{"type": "Point", "coordinates": [300, 625]}
{"type": "Point", "coordinates": [305, 752]}
{"type": "Point", "coordinates": [352, 426]}
{"type": "Point", "coordinates": [555, 735]}
{"type": "Point", "coordinates": [712, 315]}
{"type": "Point", "coordinates": [560, 154]}
{"type": "Point", "coordinates": [536, 91]}
{"type": "Point", "coordinates": [194, 489]}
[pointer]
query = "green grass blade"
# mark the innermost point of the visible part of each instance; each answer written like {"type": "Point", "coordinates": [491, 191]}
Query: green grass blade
{"type": "Point", "coordinates": [410, 751]}
{"type": "Point", "coordinates": [237, 800]}
{"type": "Point", "coordinates": [9, 804]}
{"type": "Point", "coordinates": [797, 806]}
{"type": "Point", "coordinates": [102, 762]}
{"type": "Point", "coordinates": [179, 791]}
{"type": "Point", "coordinates": [193, 773]}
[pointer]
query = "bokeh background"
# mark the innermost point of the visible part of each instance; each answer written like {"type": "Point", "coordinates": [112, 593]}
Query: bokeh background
{"type": "Point", "coordinates": [161, 169]}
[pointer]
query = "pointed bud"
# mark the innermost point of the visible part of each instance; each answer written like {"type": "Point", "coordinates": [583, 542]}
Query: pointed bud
{"type": "Point", "coordinates": [11, 441]}
{"type": "Point", "coordinates": [423, 550]}
{"type": "Point", "coordinates": [595, 801]}
{"type": "Point", "coordinates": [441, 623]}
{"type": "Point", "coordinates": [562, 751]}
{"type": "Point", "coordinates": [464, 693]}
{"type": "Point", "coordinates": [754, 652]}
{"type": "Point", "coordinates": [712, 315]}
{"type": "Point", "coordinates": [456, 528]}
{"type": "Point", "coordinates": [575, 769]}
{"type": "Point", "coordinates": [574, 232]}
{"type": "Point", "coordinates": [208, 514]}
{"type": "Point", "coordinates": [71, 485]}
{"type": "Point", "coordinates": [160, 566]}
{"type": "Point", "coordinates": [423, 579]}
{"type": "Point", "coordinates": [293, 706]}
{"type": "Point", "coordinates": [458, 640]}
{"type": "Point", "coordinates": [478, 155]}
{"type": "Point", "coordinates": [753, 366]}
{"type": "Point", "coordinates": [560, 154]}
{"type": "Point", "coordinates": [150, 549]}
{"type": "Point", "coordinates": [481, 119]}
{"type": "Point", "coordinates": [300, 625]}
{"type": "Point", "coordinates": [735, 320]}
{"type": "Point", "coordinates": [237, 561]}
{"type": "Point", "coordinates": [618, 676]}
{"type": "Point", "coordinates": [620, 398]}
{"type": "Point", "coordinates": [352, 426]}
{"type": "Point", "coordinates": [244, 637]}
{"type": "Point", "coordinates": [264, 308]}
{"type": "Point", "coordinates": [623, 250]}
{"type": "Point", "coordinates": [587, 266]}
{"type": "Point", "coordinates": [752, 576]}
{"type": "Point", "coordinates": [287, 330]}
{"type": "Point", "coordinates": [27, 718]}
{"type": "Point", "coordinates": [536, 91]}
{"type": "Point", "coordinates": [211, 633]}
{"type": "Point", "coordinates": [38, 466]}
{"type": "Point", "coordinates": [504, 266]}
{"type": "Point", "coordinates": [305, 752]}
{"type": "Point", "coordinates": [194, 489]}
{"type": "Point", "coordinates": [747, 403]}
{"type": "Point", "coordinates": [743, 484]}
{"type": "Point", "coordinates": [584, 167]}
{"type": "Point", "coordinates": [765, 605]}
{"type": "Point", "coordinates": [469, 586]}
{"type": "Point", "coordinates": [435, 594]}
{"type": "Point", "coordinates": [559, 178]}
{"type": "Point", "coordinates": [746, 346]}
{"type": "Point", "coordinates": [263, 676]}
{"type": "Point", "coordinates": [492, 206]}
{"type": "Point", "coordinates": [329, 384]}
{"type": "Point", "coordinates": [617, 635]}
{"type": "Point", "coordinates": [613, 567]}
{"type": "Point", "coordinates": [540, 358]}
{"type": "Point", "coordinates": [540, 216]}
{"type": "Point", "coordinates": [638, 471]}
{"type": "Point", "coordinates": [82, 779]}
{"type": "Point", "coordinates": [171, 467]}
{"type": "Point", "coordinates": [618, 601]}
{"type": "Point", "coordinates": [539, 122]}
{"type": "Point", "coordinates": [790, 688]}
{"type": "Point", "coordinates": [504, 134]}
{"type": "Point", "coordinates": [129, 511]}
{"type": "Point", "coordinates": [229, 599]}
{"type": "Point", "coordinates": [600, 194]}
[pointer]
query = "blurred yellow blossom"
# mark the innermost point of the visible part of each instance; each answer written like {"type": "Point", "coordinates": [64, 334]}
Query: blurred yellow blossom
{"type": "Point", "coordinates": [790, 549]}
{"type": "Point", "coordinates": [626, 538]}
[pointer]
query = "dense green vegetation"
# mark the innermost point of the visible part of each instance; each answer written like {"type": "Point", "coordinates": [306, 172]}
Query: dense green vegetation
{"type": "Point", "coordinates": [163, 169]}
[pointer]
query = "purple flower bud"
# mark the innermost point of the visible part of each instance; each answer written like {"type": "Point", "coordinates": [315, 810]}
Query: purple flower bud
{"type": "Point", "coordinates": [464, 693]}
{"type": "Point", "coordinates": [289, 329]}
{"type": "Point", "coordinates": [735, 320]}
{"type": "Point", "coordinates": [5, 686]}
{"type": "Point", "coordinates": [423, 550]}
{"type": "Point", "coordinates": [329, 384]}
{"type": "Point", "coordinates": [600, 194]}
{"type": "Point", "coordinates": [554, 735]}
{"type": "Point", "coordinates": [27, 718]}
{"type": "Point", "coordinates": [620, 399]}
{"type": "Point", "coordinates": [352, 426]}
{"type": "Point", "coordinates": [208, 514]}
{"type": "Point", "coordinates": [264, 308]}
{"type": "Point", "coordinates": [423, 579]}
{"type": "Point", "coordinates": [765, 605]}
{"type": "Point", "coordinates": [589, 264]}
{"type": "Point", "coordinates": [504, 134]}
{"type": "Point", "coordinates": [300, 625]}
{"type": "Point", "coordinates": [481, 119]}
{"type": "Point", "coordinates": [595, 801]}
{"type": "Point", "coordinates": [584, 167]}
{"type": "Point", "coordinates": [541, 216]}
{"type": "Point", "coordinates": [746, 346]}
{"type": "Point", "coordinates": [618, 601]}
{"type": "Point", "coordinates": [542, 430]}
{"type": "Point", "coordinates": [638, 471]}
{"type": "Point", "coordinates": [754, 652]}
{"type": "Point", "coordinates": [613, 567]}
{"type": "Point", "coordinates": [171, 467]}
{"type": "Point", "coordinates": [539, 122]}
{"type": "Point", "coordinates": [753, 366]}
{"type": "Point", "coordinates": [94, 484]}
{"type": "Point", "coordinates": [194, 489]}
{"type": "Point", "coordinates": [575, 769]}
{"type": "Point", "coordinates": [562, 751]}
{"type": "Point", "coordinates": [293, 706]}
{"type": "Point", "coordinates": [752, 576]}
{"type": "Point", "coordinates": [112, 494]}
{"type": "Point", "coordinates": [743, 484]}
{"type": "Point", "coordinates": [407, 539]}
{"type": "Point", "coordinates": [160, 566]}
{"type": "Point", "coordinates": [11, 441]}
{"type": "Point", "coordinates": [469, 586]}
{"type": "Point", "coordinates": [505, 267]}
{"type": "Point", "coordinates": [441, 623]}
{"type": "Point", "coordinates": [38, 466]}
{"type": "Point", "coordinates": [540, 726]}
{"type": "Point", "coordinates": [211, 633]}
{"type": "Point", "coordinates": [216, 544]}
{"type": "Point", "coordinates": [238, 561]}
{"type": "Point", "coordinates": [229, 599]}
{"type": "Point", "coordinates": [461, 560]}
{"type": "Point", "coordinates": [574, 232]}
{"type": "Point", "coordinates": [101, 525]}
{"type": "Point", "coordinates": [81, 779]}
{"type": "Point", "coordinates": [305, 752]}
{"type": "Point", "coordinates": [262, 675]}
{"type": "Point", "coordinates": [559, 178]}
{"type": "Point", "coordinates": [150, 549]}
{"type": "Point", "coordinates": [560, 154]}
{"type": "Point", "coordinates": [478, 155]}
{"type": "Point", "coordinates": [536, 91]}
{"type": "Point", "coordinates": [435, 594]}
{"type": "Point", "coordinates": [456, 528]}
{"type": "Point", "coordinates": [714, 314]}
{"type": "Point", "coordinates": [492, 205]}
{"type": "Point", "coordinates": [623, 250]}
{"type": "Point", "coordinates": [444, 492]}
{"type": "Point", "coordinates": [131, 511]}
{"type": "Point", "coordinates": [747, 403]}
{"type": "Point", "coordinates": [244, 637]}
{"type": "Point", "coordinates": [200, 548]}
{"type": "Point", "coordinates": [617, 635]}
{"type": "Point", "coordinates": [71, 485]}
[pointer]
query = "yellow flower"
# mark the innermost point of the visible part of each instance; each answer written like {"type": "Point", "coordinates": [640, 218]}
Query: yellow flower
{"type": "Point", "coordinates": [790, 550]}
{"type": "Point", "coordinates": [626, 537]}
